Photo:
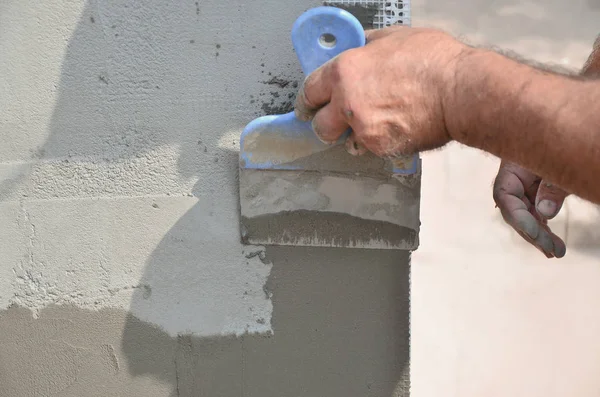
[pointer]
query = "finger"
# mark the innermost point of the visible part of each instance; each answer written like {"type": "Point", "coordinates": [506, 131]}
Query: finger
{"type": "Point", "coordinates": [371, 34]}
{"type": "Point", "coordinates": [515, 213]}
{"type": "Point", "coordinates": [510, 196]}
{"type": "Point", "coordinates": [539, 235]}
{"type": "Point", "coordinates": [329, 124]}
{"type": "Point", "coordinates": [507, 182]}
{"type": "Point", "coordinates": [375, 34]}
{"type": "Point", "coordinates": [560, 249]}
{"type": "Point", "coordinates": [549, 243]}
{"type": "Point", "coordinates": [544, 242]}
{"type": "Point", "coordinates": [534, 244]}
{"type": "Point", "coordinates": [526, 180]}
{"type": "Point", "coordinates": [354, 147]}
{"type": "Point", "coordinates": [549, 200]}
{"type": "Point", "coordinates": [315, 92]}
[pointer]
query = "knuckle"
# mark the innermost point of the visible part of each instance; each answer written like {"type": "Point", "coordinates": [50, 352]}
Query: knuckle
{"type": "Point", "coordinates": [550, 191]}
{"type": "Point", "coordinates": [499, 190]}
{"type": "Point", "coordinates": [343, 66]}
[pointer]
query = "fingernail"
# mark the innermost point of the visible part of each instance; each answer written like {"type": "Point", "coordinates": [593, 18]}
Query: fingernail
{"type": "Point", "coordinates": [560, 251]}
{"type": "Point", "coordinates": [315, 129]}
{"type": "Point", "coordinates": [547, 208]}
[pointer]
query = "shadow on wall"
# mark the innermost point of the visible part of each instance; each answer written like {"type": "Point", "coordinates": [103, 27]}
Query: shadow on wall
{"type": "Point", "coordinates": [329, 336]}
{"type": "Point", "coordinates": [128, 95]}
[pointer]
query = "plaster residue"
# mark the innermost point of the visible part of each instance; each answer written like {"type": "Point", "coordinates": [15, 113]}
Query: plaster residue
{"type": "Point", "coordinates": [268, 144]}
{"type": "Point", "coordinates": [388, 200]}
{"type": "Point", "coordinates": [327, 229]}
{"type": "Point", "coordinates": [328, 209]}
{"type": "Point", "coordinates": [365, 13]}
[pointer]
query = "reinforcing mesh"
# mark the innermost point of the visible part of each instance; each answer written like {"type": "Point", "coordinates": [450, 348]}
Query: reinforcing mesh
{"type": "Point", "coordinates": [388, 12]}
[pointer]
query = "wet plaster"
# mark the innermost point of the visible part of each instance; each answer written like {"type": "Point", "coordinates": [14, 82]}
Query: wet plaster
{"type": "Point", "coordinates": [365, 13]}
{"type": "Point", "coordinates": [340, 321]}
{"type": "Point", "coordinates": [326, 229]}
{"type": "Point", "coordinates": [333, 207]}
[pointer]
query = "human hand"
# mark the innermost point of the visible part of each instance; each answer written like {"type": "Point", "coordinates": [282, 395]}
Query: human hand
{"type": "Point", "coordinates": [391, 92]}
{"type": "Point", "coordinates": [527, 203]}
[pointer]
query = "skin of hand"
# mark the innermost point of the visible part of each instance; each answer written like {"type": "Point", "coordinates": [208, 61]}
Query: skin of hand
{"type": "Point", "coordinates": [520, 195]}
{"type": "Point", "coordinates": [391, 112]}
{"type": "Point", "coordinates": [526, 202]}
{"type": "Point", "coordinates": [410, 90]}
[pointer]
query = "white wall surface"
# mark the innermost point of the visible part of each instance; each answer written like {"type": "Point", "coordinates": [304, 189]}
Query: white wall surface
{"type": "Point", "coordinates": [491, 316]}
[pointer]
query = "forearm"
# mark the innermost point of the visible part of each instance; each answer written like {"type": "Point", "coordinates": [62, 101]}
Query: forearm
{"type": "Point", "coordinates": [547, 123]}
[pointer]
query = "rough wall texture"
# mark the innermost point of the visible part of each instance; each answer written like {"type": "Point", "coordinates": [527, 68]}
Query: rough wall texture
{"type": "Point", "coordinates": [121, 268]}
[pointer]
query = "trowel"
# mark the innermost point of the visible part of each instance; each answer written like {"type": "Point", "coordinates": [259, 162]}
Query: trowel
{"type": "Point", "coordinates": [296, 190]}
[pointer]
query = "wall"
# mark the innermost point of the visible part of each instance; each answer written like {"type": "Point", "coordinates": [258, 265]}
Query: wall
{"type": "Point", "coordinates": [491, 316]}
{"type": "Point", "coordinates": [121, 268]}
{"type": "Point", "coordinates": [128, 277]}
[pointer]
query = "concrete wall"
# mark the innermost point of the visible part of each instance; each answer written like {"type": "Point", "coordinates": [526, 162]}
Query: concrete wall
{"type": "Point", "coordinates": [490, 316]}
{"type": "Point", "coordinates": [121, 268]}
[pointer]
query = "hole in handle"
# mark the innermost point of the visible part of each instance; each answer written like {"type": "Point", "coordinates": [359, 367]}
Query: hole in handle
{"type": "Point", "coordinates": [327, 40]}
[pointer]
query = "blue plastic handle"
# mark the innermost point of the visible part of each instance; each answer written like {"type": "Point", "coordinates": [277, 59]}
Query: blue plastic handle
{"type": "Point", "coordinates": [318, 35]}
{"type": "Point", "coordinates": [322, 33]}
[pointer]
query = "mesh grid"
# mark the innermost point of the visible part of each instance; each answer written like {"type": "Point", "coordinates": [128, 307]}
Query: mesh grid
{"type": "Point", "coordinates": [388, 12]}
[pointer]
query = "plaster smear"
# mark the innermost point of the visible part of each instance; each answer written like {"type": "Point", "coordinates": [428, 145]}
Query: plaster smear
{"type": "Point", "coordinates": [173, 261]}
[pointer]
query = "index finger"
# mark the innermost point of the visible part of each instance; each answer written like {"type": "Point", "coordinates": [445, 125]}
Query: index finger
{"type": "Point", "coordinates": [315, 92]}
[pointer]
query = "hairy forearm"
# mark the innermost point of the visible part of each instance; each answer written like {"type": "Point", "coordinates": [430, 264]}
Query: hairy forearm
{"type": "Point", "coordinates": [545, 122]}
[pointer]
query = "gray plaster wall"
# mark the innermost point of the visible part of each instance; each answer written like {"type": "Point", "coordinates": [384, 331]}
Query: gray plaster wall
{"type": "Point", "coordinates": [340, 329]}
{"type": "Point", "coordinates": [121, 267]}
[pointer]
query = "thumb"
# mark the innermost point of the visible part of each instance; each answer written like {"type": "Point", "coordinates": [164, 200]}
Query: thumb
{"type": "Point", "coordinates": [549, 200]}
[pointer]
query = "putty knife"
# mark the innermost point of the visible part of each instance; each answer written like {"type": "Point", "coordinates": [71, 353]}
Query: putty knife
{"type": "Point", "coordinates": [296, 190]}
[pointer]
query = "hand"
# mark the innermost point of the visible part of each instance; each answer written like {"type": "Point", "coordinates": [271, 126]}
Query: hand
{"type": "Point", "coordinates": [391, 92]}
{"type": "Point", "coordinates": [527, 203]}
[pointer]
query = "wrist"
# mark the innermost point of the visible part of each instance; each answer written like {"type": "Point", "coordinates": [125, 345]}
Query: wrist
{"type": "Point", "coordinates": [489, 91]}
{"type": "Point", "coordinates": [463, 87]}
